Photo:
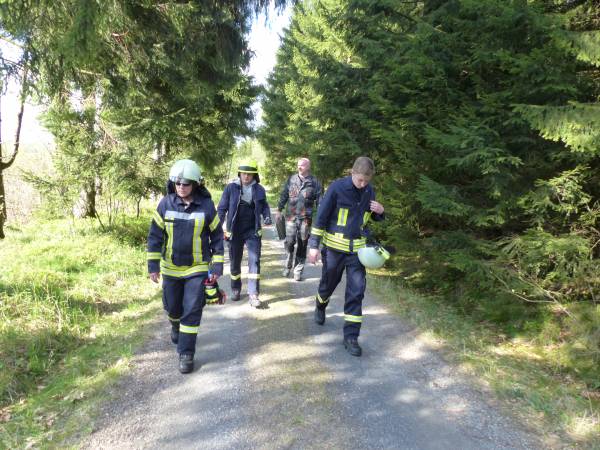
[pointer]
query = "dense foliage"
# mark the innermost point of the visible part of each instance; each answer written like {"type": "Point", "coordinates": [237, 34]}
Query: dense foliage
{"type": "Point", "coordinates": [133, 85]}
{"type": "Point", "coordinates": [482, 118]}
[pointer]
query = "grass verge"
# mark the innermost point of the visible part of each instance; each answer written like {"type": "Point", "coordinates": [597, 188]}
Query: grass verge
{"type": "Point", "coordinates": [523, 373]}
{"type": "Point", "coordinates": [73, 303]}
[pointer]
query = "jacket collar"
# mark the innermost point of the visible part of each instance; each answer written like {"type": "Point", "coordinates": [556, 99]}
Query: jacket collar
{"type": "Point", "coordinates": [306, 178]}
{"type": "Point", "coordinates": [349, 186]}
{"type": "Point", "coordinates": [196, 199]}
{"type": "Point", "coordinates": [239, 182]}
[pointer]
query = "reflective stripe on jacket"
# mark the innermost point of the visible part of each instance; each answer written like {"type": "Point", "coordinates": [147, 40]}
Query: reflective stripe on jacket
{"type": "Point", "coordinates": [184, 241]}
{"type": "Point", "coordinates": [342, 216]}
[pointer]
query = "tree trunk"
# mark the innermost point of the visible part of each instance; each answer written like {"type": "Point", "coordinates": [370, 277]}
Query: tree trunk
{"type": "Point", "coordinates": [5, 165]}
{"type": "Point", "coordinates": [3, 204]}
{"type": "Point", "coordinates": [86, 205]}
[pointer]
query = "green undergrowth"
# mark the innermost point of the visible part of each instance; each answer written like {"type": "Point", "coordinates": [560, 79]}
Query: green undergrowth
{"type": "Point", "coordinates": [530, 355]}
{"type": "Point", "coordinates": [73, 303]}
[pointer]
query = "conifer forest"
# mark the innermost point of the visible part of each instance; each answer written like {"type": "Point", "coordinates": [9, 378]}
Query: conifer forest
{"type": "Point", "coordinates": [482, 118]}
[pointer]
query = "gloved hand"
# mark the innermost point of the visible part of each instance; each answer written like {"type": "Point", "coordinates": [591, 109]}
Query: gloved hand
{"type": "Point", "coordinates": [268, 221]}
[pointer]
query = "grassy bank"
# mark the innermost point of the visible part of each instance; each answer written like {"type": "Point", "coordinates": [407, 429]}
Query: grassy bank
{"type": "Point", "coordinates": [73, 303]}
{"type": "Point", "coordinates": [525, 369]}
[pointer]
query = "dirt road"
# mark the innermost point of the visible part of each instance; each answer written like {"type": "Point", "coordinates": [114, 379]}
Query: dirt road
{"type": "Point", "coordinates": [273, 379]}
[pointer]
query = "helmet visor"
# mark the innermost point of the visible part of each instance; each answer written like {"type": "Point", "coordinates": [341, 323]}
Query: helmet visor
{"type": "Point", "coordinates": [181, 181]}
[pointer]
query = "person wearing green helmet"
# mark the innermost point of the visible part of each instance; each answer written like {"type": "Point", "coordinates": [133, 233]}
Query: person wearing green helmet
{"type": "Point", "coordinates": [184, 241]}
{"type": "Point", "coordinates": [348, 205]}
{"type": "Point", "coordinates": [242, 205]}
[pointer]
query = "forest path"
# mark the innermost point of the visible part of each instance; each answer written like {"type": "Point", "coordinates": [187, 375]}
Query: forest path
{"type": "Point", "coordinates": [273, 379]}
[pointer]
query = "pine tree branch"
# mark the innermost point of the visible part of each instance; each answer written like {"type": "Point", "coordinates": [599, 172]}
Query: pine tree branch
{"type": "Point", "coordinates": [566, 6]}
{"type": "Point", "coordinates": [547, 293]}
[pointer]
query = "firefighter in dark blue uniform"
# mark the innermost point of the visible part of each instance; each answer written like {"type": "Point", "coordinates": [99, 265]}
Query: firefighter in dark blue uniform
{"type": "Point", "coordinates": [345, 210]}
{"type": "Point", "coordinates": [185, 238]}
{"type": "Point", "coordinates": [242, 205]}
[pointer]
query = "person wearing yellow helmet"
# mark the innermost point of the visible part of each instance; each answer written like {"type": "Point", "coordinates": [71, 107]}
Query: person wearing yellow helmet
{"type": "Point", "coordinates": [243, 209]}
{"type": "Point", "coordinates": [347, 206]}
{"type": "Point", "coordinates": [184, 241]}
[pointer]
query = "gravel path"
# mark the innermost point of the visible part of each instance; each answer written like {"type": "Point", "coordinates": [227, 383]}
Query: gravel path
{"type": "Point", "coordinates": [273, 379]}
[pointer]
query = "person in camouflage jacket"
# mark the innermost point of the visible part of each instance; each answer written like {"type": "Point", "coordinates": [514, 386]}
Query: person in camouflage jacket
{"type": "Point", "coordinates": [301, 192]}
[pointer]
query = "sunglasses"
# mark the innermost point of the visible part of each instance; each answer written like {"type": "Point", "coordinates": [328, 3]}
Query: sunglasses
{"type": "Point", "coordinates": [181, 183]}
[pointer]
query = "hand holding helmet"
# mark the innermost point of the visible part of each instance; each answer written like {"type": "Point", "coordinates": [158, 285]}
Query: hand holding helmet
{"type": "Point", "coordinates": [212, 294]}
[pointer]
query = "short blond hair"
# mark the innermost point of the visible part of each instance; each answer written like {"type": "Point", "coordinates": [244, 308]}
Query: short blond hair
{"type": "Point", "coordinates": [364, 166]}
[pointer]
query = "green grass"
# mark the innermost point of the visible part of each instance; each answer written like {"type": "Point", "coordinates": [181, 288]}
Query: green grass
{"type": "Point", "coordinates": [526, 370]}
{"type": "Point", "coordinates": [73, 302]}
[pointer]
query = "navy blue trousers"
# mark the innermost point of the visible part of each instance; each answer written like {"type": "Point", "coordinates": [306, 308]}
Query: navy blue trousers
{"type": "Point", "coordinates": [183, 299]}
{"type": "Point", "coordinates": [236, 251]}
{"type": "Point", "coordinates": [334, 264]}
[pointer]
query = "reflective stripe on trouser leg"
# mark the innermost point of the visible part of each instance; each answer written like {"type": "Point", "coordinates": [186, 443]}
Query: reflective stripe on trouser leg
{"type": "Point", "coordinates": [333, 268]}
{"type": "Point", "coordinates": [174, 322]}
{"type": "Point", "coordinates": [302, 241]}
{"type": "Point", "coordinates": [356, 283]}
{"type": "Point", "coordinates": [172, 297]}
{"type": "Point", "coordinates": [253, 244]}
{"type": "Point", "coordinates": [193, 302]}
{"type": "Point", "coordinates": [236, 251]}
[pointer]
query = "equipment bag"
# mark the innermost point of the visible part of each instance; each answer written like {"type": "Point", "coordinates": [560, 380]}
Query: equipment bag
{"type": "Point", "coordinates": [280, 226]}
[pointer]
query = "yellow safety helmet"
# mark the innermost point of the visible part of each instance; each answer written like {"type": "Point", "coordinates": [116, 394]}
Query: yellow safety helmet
{"type": "Point", "coordinates": [248, 166]}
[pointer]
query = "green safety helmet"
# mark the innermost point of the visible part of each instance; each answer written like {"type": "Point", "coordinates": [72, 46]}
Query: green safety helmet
{"type": "Point", "coordinates": [373, 257]}
{"type": "Point", "coordinates": [185, 169]}
{"type": "Point", "coordinates": [248, 166]}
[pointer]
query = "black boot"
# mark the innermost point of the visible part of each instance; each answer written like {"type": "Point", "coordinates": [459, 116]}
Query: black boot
{"type": "Point", "coordinates": [235, 295]}
{"type": "Point", "coordinates": [351, 345]}
{"type": "Point", "coordinates": [174, 335]}
{"type": "Point", "coordinates": [319, 316]}
{"type": "Point", "coordinates": [186, 363]}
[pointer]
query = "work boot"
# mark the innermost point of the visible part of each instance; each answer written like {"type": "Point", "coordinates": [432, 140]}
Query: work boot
{"type": "Point", "coordinates": [319, 316]}
{"type": "Point", "coordinates": [254, 301]}
{"type": "Point", "coordinates": [286, 272]}
{"type": "Point", "coordinates": [297, 276]}
{"type": "Point", "coordinates": [186, 363]}
{"type": "Point", "coordinates": [235, 295]}
{"type": "Point", "coordinates": [174, 335]}
{"type": "Point", "coordinates": [351, 345]}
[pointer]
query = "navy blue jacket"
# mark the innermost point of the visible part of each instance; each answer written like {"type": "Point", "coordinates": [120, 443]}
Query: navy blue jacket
{"type": "Point", "coordinates": [230, 200]}
{"type": "Point", "coordinates": [183, 241]}
{"type": "Point", "coordinates": [342, 216]}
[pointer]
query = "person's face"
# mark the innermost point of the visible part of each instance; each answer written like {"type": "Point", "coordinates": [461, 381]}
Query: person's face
{"type": "Point", "coordinates": [183, 188]}
{"type": "Point", "coordinates": [360, 180]}
{"type": "Point", "coordinates": [303, 167]}
{"type": "Point", "coordinates": [246, 178]}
